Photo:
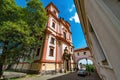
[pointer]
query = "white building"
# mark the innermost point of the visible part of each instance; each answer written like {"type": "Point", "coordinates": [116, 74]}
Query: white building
{"type": "Point", "coordinates": [84, 55]}
{"type": "Point", "coordinates": [100, 21]}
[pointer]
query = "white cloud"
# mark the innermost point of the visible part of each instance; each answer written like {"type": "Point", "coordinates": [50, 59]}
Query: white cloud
{"type": "Point", "coordinates": [75, 18]}
{"type": "Point", "coordinates": [71, 9]}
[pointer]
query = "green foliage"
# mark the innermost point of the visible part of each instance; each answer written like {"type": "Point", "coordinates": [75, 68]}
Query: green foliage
{"type": "Point", "coordinates": [90, 67]}
{"type": "Point", "coordinates": [20, 28]}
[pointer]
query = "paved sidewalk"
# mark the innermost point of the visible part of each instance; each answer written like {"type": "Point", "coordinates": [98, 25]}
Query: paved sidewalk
{"type": "Point", "coordinates": [43, 77]}
{"type": "Point", "coordinates": [10, 74]}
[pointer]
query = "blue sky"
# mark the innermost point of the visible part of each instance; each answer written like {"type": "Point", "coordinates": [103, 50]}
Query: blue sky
{"type": "Point", "coordinates": [68, 12]}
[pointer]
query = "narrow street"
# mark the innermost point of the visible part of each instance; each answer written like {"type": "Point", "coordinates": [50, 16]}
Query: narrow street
{"type": "Point", "coordinates": [59, 76]}
{"type": "Point", "coordinates": [73, 76]}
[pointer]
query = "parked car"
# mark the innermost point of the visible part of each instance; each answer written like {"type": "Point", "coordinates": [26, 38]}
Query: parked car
{"type": "Point", "coordinates": [82, 72]}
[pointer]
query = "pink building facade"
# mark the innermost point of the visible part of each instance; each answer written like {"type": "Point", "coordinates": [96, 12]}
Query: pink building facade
{"type": "Point", "coordinates": [58, 36]}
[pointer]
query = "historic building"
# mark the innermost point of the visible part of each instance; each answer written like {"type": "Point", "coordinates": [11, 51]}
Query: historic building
{"type": "Point", "coordinates": [80, 54]}
{"type": "Point", "coordinates": [49, 57]}
{"type": "Point", "coordinates": [100, 21]}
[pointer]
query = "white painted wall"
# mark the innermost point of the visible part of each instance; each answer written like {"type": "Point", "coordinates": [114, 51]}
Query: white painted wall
{"type": "Point", "coordinates": [81, 55]}
{"type": "Point", "coordinates": [107, 30]}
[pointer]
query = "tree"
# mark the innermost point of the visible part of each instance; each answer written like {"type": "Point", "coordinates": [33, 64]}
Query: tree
{"type": "Point", "coordinates": [20, 29]}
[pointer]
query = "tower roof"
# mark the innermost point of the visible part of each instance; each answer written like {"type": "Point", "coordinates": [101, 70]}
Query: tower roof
{"type": "Point", "coordinates": [52, 5]}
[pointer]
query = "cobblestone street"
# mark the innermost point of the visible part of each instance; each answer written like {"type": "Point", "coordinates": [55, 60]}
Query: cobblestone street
{"type": "Point", "coordinates": [60, 76]}
{"type": "Point", "coordinates": [73, 76]}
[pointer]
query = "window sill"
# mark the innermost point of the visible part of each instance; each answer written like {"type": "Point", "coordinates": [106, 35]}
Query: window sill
{"type": "Point", "coordinates": [51, 56]}
{"type": "Point", "coordinates": [52, 43]}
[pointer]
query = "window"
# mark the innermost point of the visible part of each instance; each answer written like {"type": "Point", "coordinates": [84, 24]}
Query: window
{"type": "Point", "coordinates": [78, 53]}
{"type": "Point", "coordinates": [70, 37]}
{"type": "Point", "coordinates": [51, 52]}
{"type": "Point", "coordinates": [71, 49]}
{"type": "Point", "coordinates": [43, 64]}
{"type": "Point", "coordinates": [41, 38]}
{"type": "Point", "coordinates": [38, 52]}
{"type": "Point", "coordinates": [84, 53]}
{"type": "Point", "coordinates": [47, 10]}
{"type": "Point", "coordinates": [54, 12]}
{"type": "Point", "coordinates": [1, 49]}
{"type": "Point", "coordinates": [52, 40]}
{"type": "Point", "coordinates": [53, 25]}
{"type": "Point", "coordinates": [64, 34]}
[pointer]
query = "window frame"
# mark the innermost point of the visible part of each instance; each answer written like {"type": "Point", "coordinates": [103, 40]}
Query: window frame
{"type": "Point", "coordinates": [51, 54]}
{"type": "Point", "coordinates": [53, 24]}
{"type": "Point", "coordinates": [52, 41]}
{"type": "Point", "coordinates": [64, 35]}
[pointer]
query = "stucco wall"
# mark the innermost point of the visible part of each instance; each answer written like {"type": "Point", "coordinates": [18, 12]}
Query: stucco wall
{"type": "Point", "coordinates": [106, 27]}
{"type": "Point", "coordinates": [114, 6]}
